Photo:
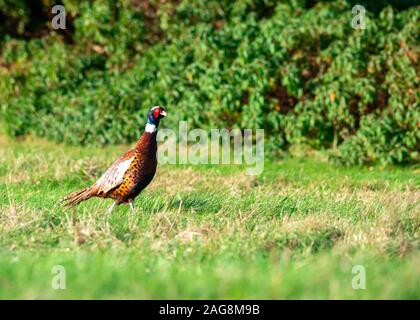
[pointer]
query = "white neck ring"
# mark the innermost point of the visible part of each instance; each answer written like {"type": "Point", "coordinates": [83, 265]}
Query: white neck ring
{"type": "Point", "coordinates": [150, 128]}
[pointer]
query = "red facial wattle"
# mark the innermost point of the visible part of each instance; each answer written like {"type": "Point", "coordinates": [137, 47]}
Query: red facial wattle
{"type": "Point", "coordinates": [156, 113]}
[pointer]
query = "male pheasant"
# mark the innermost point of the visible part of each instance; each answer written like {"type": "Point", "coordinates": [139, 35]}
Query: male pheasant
{"type": "Point", "coordinates": [130, 174]}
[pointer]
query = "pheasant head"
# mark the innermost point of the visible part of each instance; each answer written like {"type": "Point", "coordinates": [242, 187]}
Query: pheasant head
{"type": "Point", "coordinates": [153, 118]}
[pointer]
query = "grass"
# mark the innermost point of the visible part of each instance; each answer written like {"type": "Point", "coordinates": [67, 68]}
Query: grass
{"type": "Point", "coordinates": [296, 231]}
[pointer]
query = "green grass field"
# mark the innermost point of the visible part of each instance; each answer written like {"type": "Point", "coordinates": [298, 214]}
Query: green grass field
{"type": "Point", "coordinates": [296, 231]}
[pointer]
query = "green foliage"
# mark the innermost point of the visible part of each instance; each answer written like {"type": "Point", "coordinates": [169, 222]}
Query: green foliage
{"type": "Point", "coordinates": [297, 69]}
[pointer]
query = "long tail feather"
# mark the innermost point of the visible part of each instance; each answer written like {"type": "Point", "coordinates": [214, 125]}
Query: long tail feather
{"type": "Point", "coordinates": [73, 199]}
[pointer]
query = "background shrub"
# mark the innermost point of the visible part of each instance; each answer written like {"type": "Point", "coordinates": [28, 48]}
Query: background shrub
{"type": "Point", "coordinates": [295, 68]}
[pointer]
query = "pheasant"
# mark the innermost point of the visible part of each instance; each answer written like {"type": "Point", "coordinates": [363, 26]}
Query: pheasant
{"type": "Point", "coordinates": [129, 174]}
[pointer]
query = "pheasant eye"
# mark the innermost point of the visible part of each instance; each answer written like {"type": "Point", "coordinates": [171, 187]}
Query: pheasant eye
{"type": "Point", "coordinates": [156, 113]}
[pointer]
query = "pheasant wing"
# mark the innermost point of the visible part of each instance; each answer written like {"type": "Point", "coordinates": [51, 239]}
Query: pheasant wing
{"type": "Point", "coordinates": [114, 176]}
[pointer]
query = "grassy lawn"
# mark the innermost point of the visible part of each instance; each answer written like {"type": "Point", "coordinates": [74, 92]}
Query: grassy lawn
{"type": "Point", "coordinates": [296, 231]}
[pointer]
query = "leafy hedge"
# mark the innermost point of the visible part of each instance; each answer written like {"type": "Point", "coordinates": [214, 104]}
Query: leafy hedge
{"type": "Point", "coordinates": [297, 69]}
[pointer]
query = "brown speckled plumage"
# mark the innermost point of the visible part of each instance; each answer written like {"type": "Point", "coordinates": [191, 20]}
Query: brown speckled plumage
{"type": "Point", "coordinates": [129, 174]}
{"type": "Point", "coordinates": [140, 172]}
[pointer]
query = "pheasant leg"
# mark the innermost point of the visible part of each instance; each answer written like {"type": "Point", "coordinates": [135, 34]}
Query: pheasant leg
{"type": "Point", "coordinates": [112, 207]}
{"type": "Point", "coordinates": [132, 205]}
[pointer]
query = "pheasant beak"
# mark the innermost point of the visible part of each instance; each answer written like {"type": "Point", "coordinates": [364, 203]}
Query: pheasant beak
{"type": "Point", "coordinates": [163, 113]}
